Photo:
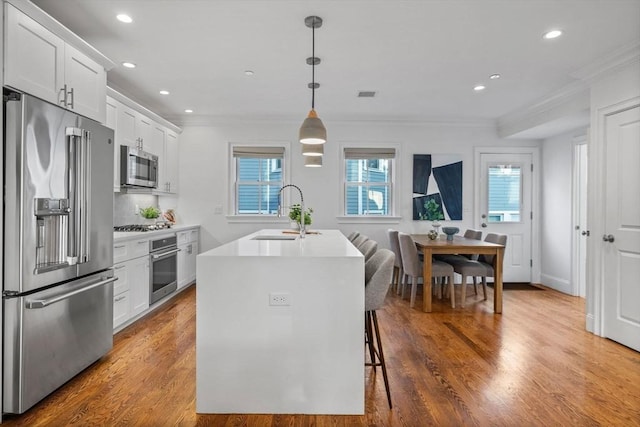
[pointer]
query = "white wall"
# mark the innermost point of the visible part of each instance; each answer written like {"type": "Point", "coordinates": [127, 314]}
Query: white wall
{"type": "Point", "coordinates": [204, 164]}
{"type": "Point", "coordinates": [556, 231]}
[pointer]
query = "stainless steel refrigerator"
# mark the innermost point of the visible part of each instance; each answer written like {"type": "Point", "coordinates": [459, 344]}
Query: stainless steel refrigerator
{"type": "Point", "coordinates": [58, 247]}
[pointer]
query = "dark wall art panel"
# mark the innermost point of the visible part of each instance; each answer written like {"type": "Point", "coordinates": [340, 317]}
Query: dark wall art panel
{"type": "Point", "coordinates": [437, 187]}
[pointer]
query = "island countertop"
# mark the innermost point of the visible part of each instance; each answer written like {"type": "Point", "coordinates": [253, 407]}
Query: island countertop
{"type": "Point", "coordinates": [280, 326]}
{"type": "Point", "coordinates": [322, 243]}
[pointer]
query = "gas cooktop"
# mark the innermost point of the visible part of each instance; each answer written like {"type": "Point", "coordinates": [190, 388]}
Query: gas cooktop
{"type": "Point", "coordinates": [142, 227]}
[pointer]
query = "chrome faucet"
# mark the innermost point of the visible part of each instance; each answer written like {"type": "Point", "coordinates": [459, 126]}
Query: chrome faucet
{"type": "Point", "coordinates": [302, 226]}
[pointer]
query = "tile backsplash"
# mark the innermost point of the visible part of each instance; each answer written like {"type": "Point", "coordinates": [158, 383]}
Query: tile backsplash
{"type": "Point", "coordinates": [124, 207]}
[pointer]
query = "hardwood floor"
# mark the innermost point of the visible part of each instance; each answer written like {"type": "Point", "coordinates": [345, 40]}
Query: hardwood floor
{"type": "Point", "coordinates": [533, 365]}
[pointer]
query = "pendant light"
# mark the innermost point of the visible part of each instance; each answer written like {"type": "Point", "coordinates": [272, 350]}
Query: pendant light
{"type": "Point", "coordinates": [312, 130]}
{"type": "Point", "coordinates": [312, 149]}
{"type": "Point", "coordinates": [313, 161]}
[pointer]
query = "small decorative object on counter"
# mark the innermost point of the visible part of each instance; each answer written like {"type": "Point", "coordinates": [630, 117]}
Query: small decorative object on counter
{"type": "Point", "coordinates": [432, 234]}
{"type": "Point", "coordinates": [150, 212]}
{"type": "Point", "coordinates": [170, 216]}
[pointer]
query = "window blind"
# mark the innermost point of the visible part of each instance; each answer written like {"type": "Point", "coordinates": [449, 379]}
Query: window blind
{"type": "Point", "coordinates": [260, 152]}
{"type": "Point", "coordinates": [369, 153]}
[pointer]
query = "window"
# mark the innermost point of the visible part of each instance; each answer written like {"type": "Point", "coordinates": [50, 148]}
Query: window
{"type": "Point", "coordinates": [505, 193]}
{"type": "Point", "coordinates": [368, 181]}
{"type": "Point", "coordinates": [258, 179]}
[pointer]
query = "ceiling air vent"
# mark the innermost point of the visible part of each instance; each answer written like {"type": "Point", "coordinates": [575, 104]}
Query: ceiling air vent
{"type": "Point", "coordinates": [366, 94]}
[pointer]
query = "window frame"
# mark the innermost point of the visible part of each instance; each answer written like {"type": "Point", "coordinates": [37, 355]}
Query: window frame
{"type": "Point", "coordinates": [393, 185]}
{"type": "Point", "coordinates": [232, 187]}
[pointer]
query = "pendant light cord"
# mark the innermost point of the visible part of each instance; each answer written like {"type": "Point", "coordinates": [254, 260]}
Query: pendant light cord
{"type": "Point", "coordinates": [313, 64]}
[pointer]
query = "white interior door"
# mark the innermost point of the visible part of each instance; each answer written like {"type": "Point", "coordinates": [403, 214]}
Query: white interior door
{"type": "Point", "coordinates": [581, 231]}
{"type": "Point", "coordinates": [505, 208]}
{"type": "Point", "coordinates": [621, 299]}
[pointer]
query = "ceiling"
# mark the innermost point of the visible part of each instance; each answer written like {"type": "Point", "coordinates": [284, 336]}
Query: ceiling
{"type": "Point", "coordinates": [422, 58]}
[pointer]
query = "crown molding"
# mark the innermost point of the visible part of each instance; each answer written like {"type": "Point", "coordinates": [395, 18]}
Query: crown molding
{"type": "Point", "coordinates": [615, 60]}
{"type": "Point", "coordinates": [569, 99]}
{"type": "Point", "coordinates": [141, 109]}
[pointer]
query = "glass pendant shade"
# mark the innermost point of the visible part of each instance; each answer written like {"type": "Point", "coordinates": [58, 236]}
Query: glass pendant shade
{"type": "Point", "coordinates": [313, 161]}
{"type": "Point", "coordinates": [312, 149]}
{"type": "Point", "coordinates": [312, 130]}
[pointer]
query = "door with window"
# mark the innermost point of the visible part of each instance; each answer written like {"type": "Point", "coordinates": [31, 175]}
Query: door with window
{"type": "Point", "coordinates": [505, 207]}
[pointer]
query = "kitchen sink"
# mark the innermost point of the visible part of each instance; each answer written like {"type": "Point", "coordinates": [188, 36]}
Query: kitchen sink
{"type": "Point", "coordinates": [275, 237]}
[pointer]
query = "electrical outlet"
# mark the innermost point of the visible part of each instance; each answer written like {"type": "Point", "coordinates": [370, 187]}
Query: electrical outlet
{"type": "Point", "coordinates": [279, 298]}
{"type": "Point", "coordinates": [136, 210]}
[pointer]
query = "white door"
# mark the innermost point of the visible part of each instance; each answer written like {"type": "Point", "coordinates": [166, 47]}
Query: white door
{"type": "Point", "coordinates": [621, 299]}
{"type": "Point", "coordinates": [505, 208]}
{"type": "Point", "coordinates": [87, 84]}
{"type": "Point", "coordinates": [581, 231]}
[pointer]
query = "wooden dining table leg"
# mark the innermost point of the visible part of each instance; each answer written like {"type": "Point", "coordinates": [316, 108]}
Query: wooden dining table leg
{"type": "Point", "coordinates": [426, 279]}
{"type": "Point", "coordinates": [497, 277]}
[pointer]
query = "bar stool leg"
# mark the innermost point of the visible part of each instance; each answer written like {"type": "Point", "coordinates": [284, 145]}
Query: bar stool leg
{"type": "Point", "coordinates": [368, 339]}
{"type": "Point", "coordinates": [381, 356]}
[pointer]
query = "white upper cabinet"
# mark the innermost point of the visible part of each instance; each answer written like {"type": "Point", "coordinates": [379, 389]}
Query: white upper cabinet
{"type": "Point", "coordinates": [40, 63]}
{"type": "Point", "coordinates": [170, 164]}
{"type": "Point", "coordinates": [136, 126]}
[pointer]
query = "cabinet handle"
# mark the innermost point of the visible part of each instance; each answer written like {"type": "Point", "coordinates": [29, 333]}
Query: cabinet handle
{"type": "Point", "coordinates": [70, 105]}
{"type": "Point", "coordinates": [63, 101]}
{"type": "Point", "coordinates": [142, 242]}
{"type": "Point", "coordinates": [119, 247]}
{"type": "Point", "coordinates": [120, 298]}
{"type": "Point", "coordinates": [119, 267]}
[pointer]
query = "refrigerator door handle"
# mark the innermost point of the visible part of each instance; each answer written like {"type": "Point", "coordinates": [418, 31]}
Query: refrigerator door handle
{"type": "Point", "coordinates": [33, 304]}
{"type": "Point", "coordinates": [85, 196]}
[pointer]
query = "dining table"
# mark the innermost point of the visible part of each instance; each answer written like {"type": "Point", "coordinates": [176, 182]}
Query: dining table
{"type": "Point", "coordinates": [459, 245]}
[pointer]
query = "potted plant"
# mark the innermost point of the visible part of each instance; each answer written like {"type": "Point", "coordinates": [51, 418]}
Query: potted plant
{"type": "Point", "coordinates": [150, 212]}
{"type": "Point", "coordinates": [295, 211]}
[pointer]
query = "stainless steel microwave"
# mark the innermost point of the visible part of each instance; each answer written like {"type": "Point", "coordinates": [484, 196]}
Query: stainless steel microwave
{"type": "Point", "coordinates": [138, 168]}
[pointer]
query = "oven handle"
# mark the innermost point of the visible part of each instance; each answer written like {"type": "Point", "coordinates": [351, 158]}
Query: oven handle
{"type": "Point", "coordinates": [163, 254]}
{"type": "Point", "coordinates": [42, 303]}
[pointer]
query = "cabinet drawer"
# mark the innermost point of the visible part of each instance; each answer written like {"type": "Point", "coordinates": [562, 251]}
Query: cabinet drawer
{"type": "Point", "coordinates": [183, 237]}
{"type": "Point", "coordinates": [122, 273]}
{"type": "Point", "coordinates": [139, 248]}
{"type": "Point", "coordinates": [120, 252]}
{"type": "Point", "coordinates": [121, 308]}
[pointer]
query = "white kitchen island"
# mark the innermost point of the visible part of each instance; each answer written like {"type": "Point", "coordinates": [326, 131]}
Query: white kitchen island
{"type": "Point", "coordinates": [303, 357]}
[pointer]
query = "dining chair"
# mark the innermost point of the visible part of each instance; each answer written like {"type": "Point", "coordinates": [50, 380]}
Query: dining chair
{"type": "Point", "coordinates": [482, 267]}
{"type": "Point", "coordinates": [378, 275]}
{"type": "Point", "coordinates": [398, 271]}
{"type": "Point", "coordinates": [453, 258]}
{"type": "Point", "coordinates": [368, 248]}
{"type": "Point", "coordinates": [413, 268]}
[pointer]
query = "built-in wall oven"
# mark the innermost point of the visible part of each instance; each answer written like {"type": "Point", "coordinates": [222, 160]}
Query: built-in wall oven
{"type": "Point", "coordinates": [163, 277]}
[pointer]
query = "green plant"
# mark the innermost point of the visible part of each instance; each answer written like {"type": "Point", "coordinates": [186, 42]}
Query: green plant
{"type": "Point", "coordinates": [432, 211]}
{"type": "Point", "coordinates": [150, 212]}
{"type": "Point", "coordinates": [294, 214]}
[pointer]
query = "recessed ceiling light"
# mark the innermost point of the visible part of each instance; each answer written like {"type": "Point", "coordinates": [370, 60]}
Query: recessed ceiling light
{"type": "Point", "coordinates": [188, 111]}
{"type": "Point", "coordinates": [552, 34]}
{"type": "Point", "coordinates": [478, 88]}
{"type": "Point", "coordinates": [248, 73]}
{"type": "Point", "coordinates": [129, 65]}
{"type": "Point", "coordinates": [124, 18]}
{"type": "Point", "coordinates": [164, 92]}
{"type": "Point", "coordinates": [494, 76]}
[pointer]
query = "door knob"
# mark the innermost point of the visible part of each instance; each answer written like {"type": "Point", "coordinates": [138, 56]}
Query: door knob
{"type": "Point", "coordinates": [585, 233]}
{"type": "Point", "coordinates": [608, 238]}
{"type": "Point", "coordinates": [483, 225]}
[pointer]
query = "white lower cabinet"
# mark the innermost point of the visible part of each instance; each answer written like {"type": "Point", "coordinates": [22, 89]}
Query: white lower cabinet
{"type": "Point", "coordinates": [188, 245]}
{"type": "Point", "coordinates": [131, 290]}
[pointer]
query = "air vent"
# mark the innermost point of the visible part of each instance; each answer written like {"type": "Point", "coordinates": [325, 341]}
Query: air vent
{"type": "Point", "coordinates": [366, 94]}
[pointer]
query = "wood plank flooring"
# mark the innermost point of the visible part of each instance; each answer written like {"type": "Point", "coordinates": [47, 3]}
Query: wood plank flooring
{"type": "Point", "coordinates": [534, 365]}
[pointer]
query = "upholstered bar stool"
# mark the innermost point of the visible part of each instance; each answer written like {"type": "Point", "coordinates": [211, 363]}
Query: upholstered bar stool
{"type": "Point", "coordinates": [353, 235]}
{"type": "Point", "coordinates": [378, 275]}
{"type": "Point", "coordinates": [359, 240]}
{"type": "Point", "coordinates": [368, 248]}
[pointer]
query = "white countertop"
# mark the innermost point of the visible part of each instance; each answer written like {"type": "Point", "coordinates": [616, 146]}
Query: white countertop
{"type": "Point", "coordinates": [327, 243]}
{"type": "Point", "coordinates": [120, 236]}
